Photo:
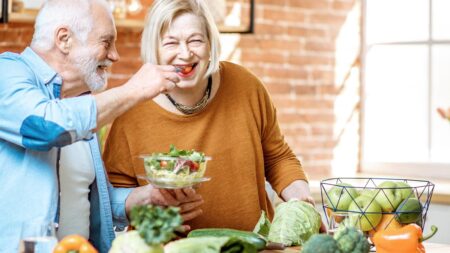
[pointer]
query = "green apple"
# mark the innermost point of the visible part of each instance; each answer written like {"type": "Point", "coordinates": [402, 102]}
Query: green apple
{"type": "Point", "coordinates": [340, 196]}
{"type": "Point", "coordinates": [409, 211]}
{"type": "Point", "coordinates": [405, 190]}
{"type": "Point", "coordinates": [365, 213]}
{"type": "Point", "coordinates": [389, 197]}
{"type": "Point", "coordinates": [368, 193]}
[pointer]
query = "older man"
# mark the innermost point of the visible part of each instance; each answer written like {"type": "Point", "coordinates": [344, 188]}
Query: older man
{"type": "Point", "coordinates": [42, 110]}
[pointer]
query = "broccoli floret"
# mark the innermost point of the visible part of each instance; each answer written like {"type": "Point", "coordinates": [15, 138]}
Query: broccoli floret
{"type": "Point", "coordinates": [320, 243]}
{"type": "Point", "coordinates": [351, 240]}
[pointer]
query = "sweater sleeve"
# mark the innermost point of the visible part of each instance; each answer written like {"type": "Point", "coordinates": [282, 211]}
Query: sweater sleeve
{"type": "Point", "coordinates": [117, 157]}
{"type": "Point", "coordinates": [281, 165]}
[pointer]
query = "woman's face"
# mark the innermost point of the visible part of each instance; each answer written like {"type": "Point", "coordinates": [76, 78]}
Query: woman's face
{"type": "Point", "coordinates": [185, 46]}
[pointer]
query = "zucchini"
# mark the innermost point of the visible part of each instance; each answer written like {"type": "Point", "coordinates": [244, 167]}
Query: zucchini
{"type": "Point", "coordinates": [255, 239]}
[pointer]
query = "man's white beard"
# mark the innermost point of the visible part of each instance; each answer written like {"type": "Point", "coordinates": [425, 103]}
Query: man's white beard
{"type": "Point", "coordinates": [88, 68]}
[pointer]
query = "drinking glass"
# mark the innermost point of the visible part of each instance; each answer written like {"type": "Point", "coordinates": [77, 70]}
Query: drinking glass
{"type": "Point", "coordinates": [37, 237]}
{"type": "Point", "coordinates": [339, 219]}
{"type": "Point", "coordinates": [336, 219]}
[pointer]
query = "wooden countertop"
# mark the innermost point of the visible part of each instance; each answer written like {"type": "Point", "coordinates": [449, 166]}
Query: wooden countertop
{"type": "Point", "coordinates": [429, 247]}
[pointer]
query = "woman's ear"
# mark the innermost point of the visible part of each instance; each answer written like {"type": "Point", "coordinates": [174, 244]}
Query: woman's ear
{"type": "Point", "coordinates": [63, 39]}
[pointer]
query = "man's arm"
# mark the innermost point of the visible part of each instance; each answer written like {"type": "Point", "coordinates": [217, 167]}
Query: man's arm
{"type": "Point", "coordinates": [31, 119]}
{"type": "Point", "coordinates": [147, 83]}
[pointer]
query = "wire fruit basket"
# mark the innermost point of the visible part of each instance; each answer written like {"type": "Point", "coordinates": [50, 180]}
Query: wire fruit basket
{"type": "Point", "coordinates": [374, 204]}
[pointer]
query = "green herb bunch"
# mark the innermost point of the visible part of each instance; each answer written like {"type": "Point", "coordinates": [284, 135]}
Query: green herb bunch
{"type": "Point", "coordinates": [156, 225]}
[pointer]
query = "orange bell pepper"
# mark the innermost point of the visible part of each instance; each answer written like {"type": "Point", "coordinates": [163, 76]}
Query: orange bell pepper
{"type": "Point", "coordinates": [74, 243]}
{"type": "Point", "coordinates": [407, 239]}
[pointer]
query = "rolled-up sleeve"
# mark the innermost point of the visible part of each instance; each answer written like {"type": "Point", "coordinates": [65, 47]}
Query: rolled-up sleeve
{"type": "Point", "coordinates": [118, 197]}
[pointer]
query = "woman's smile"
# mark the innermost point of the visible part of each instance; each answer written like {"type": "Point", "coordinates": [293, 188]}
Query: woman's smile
{"type": "Point", "coordinates": [185, 70]}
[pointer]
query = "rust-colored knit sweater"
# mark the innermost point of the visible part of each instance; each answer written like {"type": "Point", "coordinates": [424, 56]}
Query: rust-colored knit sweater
{"type": "Point", "coordinates": [238, 129]}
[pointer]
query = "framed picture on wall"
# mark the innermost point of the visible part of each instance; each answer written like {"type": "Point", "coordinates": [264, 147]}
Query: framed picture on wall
{"type": "Point", "coordinates": [3, 11]}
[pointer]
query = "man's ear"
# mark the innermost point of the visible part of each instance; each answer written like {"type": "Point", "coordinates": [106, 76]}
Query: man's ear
{"type": "Point", "coordinates": [63, 39]}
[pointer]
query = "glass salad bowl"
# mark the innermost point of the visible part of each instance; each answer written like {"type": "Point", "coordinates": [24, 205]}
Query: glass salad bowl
{"type": "Point", "coordinates": [175, 169]}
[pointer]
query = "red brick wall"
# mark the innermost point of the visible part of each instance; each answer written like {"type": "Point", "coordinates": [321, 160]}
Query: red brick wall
{"type": "Point", "coordinates": [295, 51]}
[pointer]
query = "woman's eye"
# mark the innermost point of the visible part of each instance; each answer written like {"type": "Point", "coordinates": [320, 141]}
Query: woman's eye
{"type": "Point", "coordinates": [196, 42]}
{"type": "Point", "coordinates": [170, 43]}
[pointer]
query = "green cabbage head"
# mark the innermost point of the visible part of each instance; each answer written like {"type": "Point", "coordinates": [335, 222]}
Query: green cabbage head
{"type": "Point", "coordinates": [294, 223]}
{"type": "Point", "coordinates": [132, 242]}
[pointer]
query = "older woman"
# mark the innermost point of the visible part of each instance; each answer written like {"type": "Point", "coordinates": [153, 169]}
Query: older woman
{"type": "Point", "coordinates": [219, 108]}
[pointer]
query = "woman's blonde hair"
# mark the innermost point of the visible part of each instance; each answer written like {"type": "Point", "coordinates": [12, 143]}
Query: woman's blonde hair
{"type": "Point", "coordinates": [159, 19]}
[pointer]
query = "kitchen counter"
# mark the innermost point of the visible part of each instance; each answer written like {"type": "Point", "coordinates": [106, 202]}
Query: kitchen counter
{"type": "Point", "coordinates": [429, 247]}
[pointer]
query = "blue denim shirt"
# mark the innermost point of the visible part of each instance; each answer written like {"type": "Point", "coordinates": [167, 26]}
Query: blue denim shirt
{"type": "Point", "coordinates": [34, 123]}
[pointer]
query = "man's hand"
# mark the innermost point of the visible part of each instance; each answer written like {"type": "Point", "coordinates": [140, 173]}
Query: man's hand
{"type": "Point", "coordinates": [186, 199]}
{"type": "Point", "coordinates": [146, 84]}
{"type": "Point", "coordinates": [299, 189]}
{"type": "Point", "coordinates": [151, 80]}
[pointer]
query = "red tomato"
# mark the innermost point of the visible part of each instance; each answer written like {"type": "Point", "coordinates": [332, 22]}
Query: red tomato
{"type": "Point", "coordinates": [194, 166]}
{"type": "Point", "coordinates": [163, 164]}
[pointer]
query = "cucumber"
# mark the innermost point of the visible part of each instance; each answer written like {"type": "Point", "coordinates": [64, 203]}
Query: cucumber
{"type": "Point", "coordinates": [255, 239]}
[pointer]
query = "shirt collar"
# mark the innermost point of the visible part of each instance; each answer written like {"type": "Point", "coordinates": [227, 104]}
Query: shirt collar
{"type": "Point", "coordinates": [42, 69]}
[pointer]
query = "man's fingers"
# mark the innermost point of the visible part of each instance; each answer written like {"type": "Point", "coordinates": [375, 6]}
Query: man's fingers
{"type": "Point", "coordinates": [191, 215]}
{"type": "Point", "coordinates": [173, 77]}
{"type": "Point", "coordinates": [166, 68]}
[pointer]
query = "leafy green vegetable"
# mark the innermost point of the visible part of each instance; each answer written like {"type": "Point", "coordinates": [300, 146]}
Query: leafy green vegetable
{"type": "Point", "coordinates": [351, 240]}
{"type": "Point", "coordinates": [263, 225]}
{"type": "Point", "coordinates": [210, 245]}
{"type": "Point", "coordinates": [188, 154]}
{"type": "Point", "coordinates": [321, 243]}
{"type": "Point", "coordinates": [294, 223]}
{"type": "Point", "coordinates": [155, 225]}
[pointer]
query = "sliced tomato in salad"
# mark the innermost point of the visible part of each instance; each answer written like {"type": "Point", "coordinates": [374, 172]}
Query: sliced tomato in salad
{"type": "Point", "coordinates": [193, 166]}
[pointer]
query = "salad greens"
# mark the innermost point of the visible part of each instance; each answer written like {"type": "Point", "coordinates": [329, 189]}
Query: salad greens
{"type": "Point", "coordinates": [188, 154]}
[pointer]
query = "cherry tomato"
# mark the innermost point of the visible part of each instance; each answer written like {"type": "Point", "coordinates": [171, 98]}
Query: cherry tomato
{"type": "Point", "coordinates": [163, 164]}
{"type": "Point", "coordinates": [193, 166]}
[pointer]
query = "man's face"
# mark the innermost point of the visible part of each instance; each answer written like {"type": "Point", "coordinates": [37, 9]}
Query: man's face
{"type": "Point", "coordinates": [98, 53]}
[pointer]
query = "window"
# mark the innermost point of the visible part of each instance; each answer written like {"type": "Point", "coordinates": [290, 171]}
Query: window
{"type": "Point", "coordinates": [406, 62]}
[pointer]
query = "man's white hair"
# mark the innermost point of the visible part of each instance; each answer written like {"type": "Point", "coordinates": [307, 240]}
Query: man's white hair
{"type": "Point", "coordinates": [74, 14]}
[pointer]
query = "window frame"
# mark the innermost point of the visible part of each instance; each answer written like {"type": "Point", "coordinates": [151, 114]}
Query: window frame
{"type": "Point", "coordinates": [408, 169]}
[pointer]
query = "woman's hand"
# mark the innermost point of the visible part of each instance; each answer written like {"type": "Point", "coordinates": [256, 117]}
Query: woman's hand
{"type": "Point", "coordinates": [299, 189]}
